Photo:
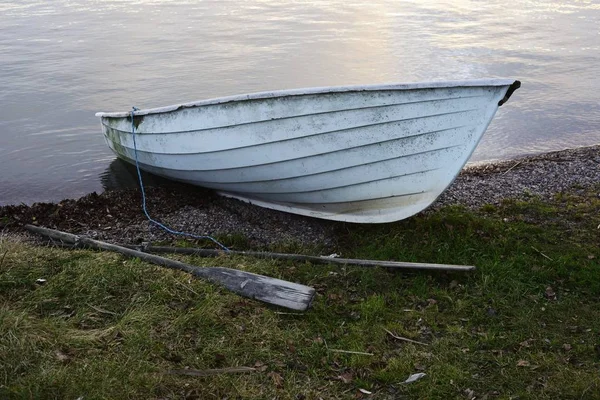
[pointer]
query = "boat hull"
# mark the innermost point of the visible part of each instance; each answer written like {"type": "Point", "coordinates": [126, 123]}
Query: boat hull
{"type": "Point", "coordinates": [367, 154]}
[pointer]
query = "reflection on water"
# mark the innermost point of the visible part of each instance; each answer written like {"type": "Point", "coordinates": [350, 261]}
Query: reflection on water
{"type": "Point", "coordinates": [121, 175]}
{"type": "Point", "coordinates": [63, 60]}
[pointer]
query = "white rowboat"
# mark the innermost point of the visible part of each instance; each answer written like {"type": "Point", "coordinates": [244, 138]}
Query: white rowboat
{"type": "Point", "coordinates": [368, 154]}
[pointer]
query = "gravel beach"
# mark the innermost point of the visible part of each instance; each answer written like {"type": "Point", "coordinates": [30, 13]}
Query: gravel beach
{"type": "Point", "coordinates": [116, 215]}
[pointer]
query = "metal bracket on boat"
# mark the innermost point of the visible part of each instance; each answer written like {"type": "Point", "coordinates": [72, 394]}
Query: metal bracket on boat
{"type": "Point", "coordinates": [509, 92]}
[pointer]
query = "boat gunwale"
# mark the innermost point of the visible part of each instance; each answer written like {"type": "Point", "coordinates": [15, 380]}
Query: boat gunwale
{"type": "Point", "coordinates": [495, 82]}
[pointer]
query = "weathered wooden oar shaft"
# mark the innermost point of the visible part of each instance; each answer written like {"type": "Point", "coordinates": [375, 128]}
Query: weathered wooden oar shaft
{"type": "Point", "coordinates": [313, 259]}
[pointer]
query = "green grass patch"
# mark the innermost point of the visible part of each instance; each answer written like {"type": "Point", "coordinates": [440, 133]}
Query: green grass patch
{"type": "Point", "coordinates": [525, 324]}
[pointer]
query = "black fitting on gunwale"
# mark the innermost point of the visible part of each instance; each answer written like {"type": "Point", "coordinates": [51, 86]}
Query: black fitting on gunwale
{"type": "Point", "coordinates": [509, 92]}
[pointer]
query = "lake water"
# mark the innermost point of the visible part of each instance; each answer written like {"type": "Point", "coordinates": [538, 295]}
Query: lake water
{"type": "Point", "coordinates": [63, 60]}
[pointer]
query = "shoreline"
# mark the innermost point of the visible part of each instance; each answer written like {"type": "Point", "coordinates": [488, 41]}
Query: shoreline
{"type": "Point", "coordinates": [540, 175]}
{"type": "Point", "coordinates": [116, 214]}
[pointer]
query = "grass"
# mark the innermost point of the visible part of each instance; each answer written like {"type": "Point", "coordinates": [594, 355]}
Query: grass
{"type": "Point", "coordinates": [525, 325]}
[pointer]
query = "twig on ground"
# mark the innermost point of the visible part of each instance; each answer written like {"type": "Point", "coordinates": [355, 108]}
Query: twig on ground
{"type": "Point", "coordinates": [351, 352]}
{"type": "Point", "coordinates": [405, 339]}
{"type": "Point", "coordinates": [102, 310]}
{"type": "Point", "coordinates": [508, 170]}
{"type": "Point", "coordinates": [209, 372]}
{"type": "Point", "coordinates": [187, 288]}
{"type": "Point", "coordinates": [288, 313]}
{"type": "Point", "coordinates": [542, 253]}
{"type": "Point", "coordinates": [3, 256]}
{"type": "Point", "coordinates": [595, 382]}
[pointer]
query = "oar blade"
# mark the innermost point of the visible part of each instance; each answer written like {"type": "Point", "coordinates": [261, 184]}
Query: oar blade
{"type": "Point", "coordinates": [263, 288]}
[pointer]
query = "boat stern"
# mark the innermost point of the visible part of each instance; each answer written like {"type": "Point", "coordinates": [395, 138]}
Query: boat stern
{"type": "Point", "coordinates": [113, 137]}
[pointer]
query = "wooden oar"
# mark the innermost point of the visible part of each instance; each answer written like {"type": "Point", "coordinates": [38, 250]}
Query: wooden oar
{"type": "Point", "coordinates": [313, 259]}
{"type": "Point", "coordinates": [269, 290]}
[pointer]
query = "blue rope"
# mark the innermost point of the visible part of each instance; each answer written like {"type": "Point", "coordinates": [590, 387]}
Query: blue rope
{"type": "Point", "coordinates": [137, 166]}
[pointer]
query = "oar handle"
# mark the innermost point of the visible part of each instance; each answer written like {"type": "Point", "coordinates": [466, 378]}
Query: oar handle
{"type": "Point", "coordinates": [75, 239]}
